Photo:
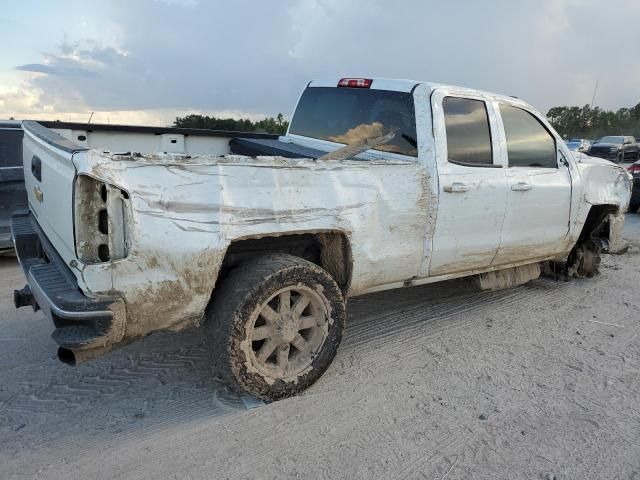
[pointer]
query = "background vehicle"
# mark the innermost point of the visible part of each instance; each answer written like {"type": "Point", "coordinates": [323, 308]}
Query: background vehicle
{"type": "Point", "coordinates": [616, 148]}
{"type": "Point", "coordinates": [387, 184]}
{"type": "Point", "coordinates": [12, 193]}
{"type": "Point", "coordinates": [578, 144]}
{"type": "Point", "coordinates": [634, 204]}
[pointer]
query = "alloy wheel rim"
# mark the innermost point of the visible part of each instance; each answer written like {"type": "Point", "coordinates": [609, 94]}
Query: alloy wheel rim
{"type": "Point", "coordinates": [287, 331]}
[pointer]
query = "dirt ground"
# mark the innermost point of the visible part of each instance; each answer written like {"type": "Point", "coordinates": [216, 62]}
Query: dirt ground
{"type": "Point", "coordinates": [542, 381]}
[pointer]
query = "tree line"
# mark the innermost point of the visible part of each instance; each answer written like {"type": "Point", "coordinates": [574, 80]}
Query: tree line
{"type": "Point", "coordinates": [277, 124]}
{"type": "Point", "coordinates": [570, 122]}
{"type": "Point", "coordinates": [594, 122]}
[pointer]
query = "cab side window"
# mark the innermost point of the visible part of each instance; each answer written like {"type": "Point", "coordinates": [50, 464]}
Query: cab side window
{"type": "Point", "coordinates": [468, 133]}
{"type": "Point", "coordinates": [529, 144]}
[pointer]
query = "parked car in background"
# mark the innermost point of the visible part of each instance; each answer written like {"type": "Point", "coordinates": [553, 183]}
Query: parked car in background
{"type": "Point", "coordinates": [12, 192]}
{"type": "Point", "coordinates": [634, 170]}
{"type": "Point", "coordinates": [578, 144]}
{"type": "Point", "coordinates": [378, 184]}
{"type": "Point", "coordinates": [618, 148]}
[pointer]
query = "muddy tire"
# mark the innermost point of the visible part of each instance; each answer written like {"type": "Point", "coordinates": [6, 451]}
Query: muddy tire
{"type": "Point", "coordinates": [274, 326]}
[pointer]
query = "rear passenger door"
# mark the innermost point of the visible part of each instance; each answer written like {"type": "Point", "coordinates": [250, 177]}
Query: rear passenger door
{"type": "Point", "coordinates": [472, 183]}
{"type": "Point", "coordinates": [539, 189]}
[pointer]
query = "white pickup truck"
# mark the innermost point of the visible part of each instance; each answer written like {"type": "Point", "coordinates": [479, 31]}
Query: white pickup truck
{"type": "Point", "coordinates": [378, 184]}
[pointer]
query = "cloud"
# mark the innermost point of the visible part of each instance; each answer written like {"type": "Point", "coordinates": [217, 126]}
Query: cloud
{"type": "Point", "coordinates": [37, 68]}
{"type": "Point", "coordinates": [246, 56]}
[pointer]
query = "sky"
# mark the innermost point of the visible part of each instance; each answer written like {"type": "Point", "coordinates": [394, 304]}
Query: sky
{"type": "Point", "coordinates": [148, 61]}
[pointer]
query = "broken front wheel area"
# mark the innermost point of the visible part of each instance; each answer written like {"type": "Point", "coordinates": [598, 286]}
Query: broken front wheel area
{"type": "Point", "coordinates": [597, 237]}
{"type": "Point", "coordinates": [583, 261]}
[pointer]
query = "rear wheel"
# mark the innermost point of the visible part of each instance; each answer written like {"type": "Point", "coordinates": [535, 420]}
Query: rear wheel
{"type": "Point", "coordinates": [275, 325]}
{"type": "Point", "coordinates": [634, 206]}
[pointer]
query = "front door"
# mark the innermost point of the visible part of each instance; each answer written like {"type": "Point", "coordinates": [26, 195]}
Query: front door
{"type": "Point", "coordinates": [472, 184]}
{"type": "Point", "coordinates": [539, 190]}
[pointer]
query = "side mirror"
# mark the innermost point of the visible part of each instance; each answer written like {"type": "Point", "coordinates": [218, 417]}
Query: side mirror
{"type": "Point", "coordinates": [563, 161]}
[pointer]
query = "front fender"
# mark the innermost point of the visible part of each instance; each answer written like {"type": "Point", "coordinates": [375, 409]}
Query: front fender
{"type": "Point", "coordinates": [605, 183]}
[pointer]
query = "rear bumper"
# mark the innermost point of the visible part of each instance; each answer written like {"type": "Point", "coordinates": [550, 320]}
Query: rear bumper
{"type": "Point", "coordinates": [81, 322]}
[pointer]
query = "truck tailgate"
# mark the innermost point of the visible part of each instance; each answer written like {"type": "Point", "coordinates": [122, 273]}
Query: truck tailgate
{"type": "Point", "coordinates": [49, 175]}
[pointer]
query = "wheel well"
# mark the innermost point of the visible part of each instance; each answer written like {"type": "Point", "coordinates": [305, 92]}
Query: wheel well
{"type": "Point", "coordinates": [597, 223]}
{"type": "Point", "coordinates": [329, 250]}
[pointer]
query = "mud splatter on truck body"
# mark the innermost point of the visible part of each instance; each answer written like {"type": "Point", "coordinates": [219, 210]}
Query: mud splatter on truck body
{"type": "Point", "coordinates": [185, 212]}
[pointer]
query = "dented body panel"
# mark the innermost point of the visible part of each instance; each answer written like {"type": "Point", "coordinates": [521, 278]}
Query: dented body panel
{"type": "Point", "coordinates": [184, 214]}
{"type": "Point", "coordinates": [171, 217]}
{"type": "Point", "coordinates": [602, 183]}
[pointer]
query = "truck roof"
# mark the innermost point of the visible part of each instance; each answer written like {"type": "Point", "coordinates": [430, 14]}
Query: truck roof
{"type": "Point", "coordinates": [407, 85]}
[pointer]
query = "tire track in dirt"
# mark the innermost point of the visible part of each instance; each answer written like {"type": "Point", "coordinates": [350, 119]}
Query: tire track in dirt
{"type": "Point", "coordinates": [128, 392]}
{"type": "Point", "coordinates": [388, 334]}
{"type": "Point", "coordinates": [404, 318]}
{"type": "Point", "coordinates": [168, 384]}
{"type": "Point", "coordinates": [431, 317]}
{"type": "Point", "coordinates": [155, 369]}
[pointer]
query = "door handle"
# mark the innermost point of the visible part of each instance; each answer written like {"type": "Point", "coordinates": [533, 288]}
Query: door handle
{"type": "Point", "coordinates": [521, 187]}
{"type": "Point", "coordinates": [457, 187]}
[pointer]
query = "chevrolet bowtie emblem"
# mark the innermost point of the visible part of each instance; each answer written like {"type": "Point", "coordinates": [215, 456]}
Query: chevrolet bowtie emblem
{"type": "Point", "coordinates": [38, 193]}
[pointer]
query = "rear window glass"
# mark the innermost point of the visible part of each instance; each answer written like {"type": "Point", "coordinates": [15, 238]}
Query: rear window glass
{"type": "Point", "coordinates": [10, 147]}
{"type": "Point", "coordinates": [347, 115]}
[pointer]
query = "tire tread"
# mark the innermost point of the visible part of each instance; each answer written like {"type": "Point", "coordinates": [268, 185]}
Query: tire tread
{"type": "Point", "coordinates": [236, 290]}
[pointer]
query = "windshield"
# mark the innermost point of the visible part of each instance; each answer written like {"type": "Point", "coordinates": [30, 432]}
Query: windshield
{"type": "Point", "coordinates": [618, 140]}
{"type": "Point", "coordinates": [347, 115]}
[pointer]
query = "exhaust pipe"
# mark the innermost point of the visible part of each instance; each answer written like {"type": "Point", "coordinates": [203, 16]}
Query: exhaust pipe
{"type": "Point", "coordinates": [76, 357]}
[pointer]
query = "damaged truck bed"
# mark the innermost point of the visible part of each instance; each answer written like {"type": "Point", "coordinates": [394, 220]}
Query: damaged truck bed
{"type": "Point", "coordinates": [378, 184]}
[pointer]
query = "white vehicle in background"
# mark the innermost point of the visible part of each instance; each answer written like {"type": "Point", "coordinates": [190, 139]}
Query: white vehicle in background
{"type": "Point", "coordinates": [378, 184]}
{"type": "Point", "coordinates": [578, 144]}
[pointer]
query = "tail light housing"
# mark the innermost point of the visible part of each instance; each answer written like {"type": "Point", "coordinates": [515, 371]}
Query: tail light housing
{"type": "Point", "coordinates": [100, 221]}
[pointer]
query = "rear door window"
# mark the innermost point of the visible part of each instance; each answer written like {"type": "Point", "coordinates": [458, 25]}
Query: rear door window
{"type": "Point", "coordinates": [348, 115]}
{"type": "Point", "coordinates": [468, 131]}
{"type": "Point", "coordinates": [529, 144]}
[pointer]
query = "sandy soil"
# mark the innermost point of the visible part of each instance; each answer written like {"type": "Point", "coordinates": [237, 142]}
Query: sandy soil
{"type": "Point", "coordinates": [542, 381]}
